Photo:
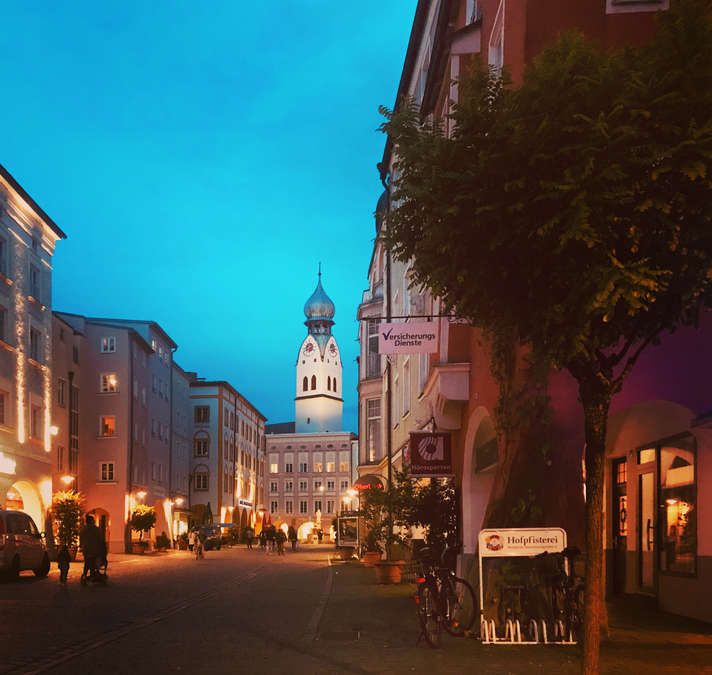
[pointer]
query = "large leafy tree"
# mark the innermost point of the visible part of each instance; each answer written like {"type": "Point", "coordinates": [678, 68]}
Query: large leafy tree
{"type": "Point", "coordinates": [574, 212]}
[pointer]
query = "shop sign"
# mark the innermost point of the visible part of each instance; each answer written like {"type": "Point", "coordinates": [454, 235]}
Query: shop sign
{"type": "Point", "coordinates": [408, 338]}
{"type": "Point", "coordinates": [246, 504]}
{"type": "Point", "coordinates": [7, 465]}
{"type": "Point", "coordinates": [518, 542]}
{"type": "Point", "coordinates": [430, 454]}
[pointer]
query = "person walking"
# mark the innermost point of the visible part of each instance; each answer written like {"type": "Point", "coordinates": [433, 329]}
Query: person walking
{"type": "Point", "coordinates": [92, 545]}
{"type": "Point", "coordinates": [280, 538]}
{"type": "Point", "coordinates": [63, 558]}
{"type": "Point", "coordinates": [249, 536]}
{"type": "Point", "coordinates": [263, 541]}
{"type": "Point", "coordinates": [191, 540]}
{"type": "Point", "coordinates": [199, 547]}
{"type": "Point", "coordinates": [292, 536]}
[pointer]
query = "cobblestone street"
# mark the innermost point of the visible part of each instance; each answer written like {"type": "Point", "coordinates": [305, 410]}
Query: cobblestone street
{"type": "Point", "coordinates": [241, 611]}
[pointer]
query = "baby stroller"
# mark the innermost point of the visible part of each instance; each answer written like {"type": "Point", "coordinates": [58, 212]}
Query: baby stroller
{"type": "Point", "coordinates": [97, 571]}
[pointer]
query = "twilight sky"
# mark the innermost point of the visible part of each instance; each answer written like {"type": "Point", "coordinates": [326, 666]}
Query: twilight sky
{"type": "Point", "coordinates": [203, 158]}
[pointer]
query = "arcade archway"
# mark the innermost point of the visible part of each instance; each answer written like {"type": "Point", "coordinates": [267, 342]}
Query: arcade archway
{"type": "Point", "coordinates": [24, 496]}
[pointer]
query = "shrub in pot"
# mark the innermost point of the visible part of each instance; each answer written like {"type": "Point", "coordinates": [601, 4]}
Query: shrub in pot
{"type": "Point", "coordinates": [142, 520]}
{"type": "Point", "coordinates": [67, 514]}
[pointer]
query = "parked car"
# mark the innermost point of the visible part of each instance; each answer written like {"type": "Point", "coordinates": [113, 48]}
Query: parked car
{"type": "Point", "coordinates": [210, 534]}
{"type": "Point", "coordinates": [21, 545]}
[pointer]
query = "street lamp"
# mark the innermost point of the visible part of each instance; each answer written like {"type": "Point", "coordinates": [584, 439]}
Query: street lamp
{"type": "Point", "coordinates": [141, 494]}
{"type": "Point", "coordinates": [67, 480]}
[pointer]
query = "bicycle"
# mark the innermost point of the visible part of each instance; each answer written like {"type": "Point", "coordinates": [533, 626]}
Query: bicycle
{"type": "Point", "coordinates": [443, 601]}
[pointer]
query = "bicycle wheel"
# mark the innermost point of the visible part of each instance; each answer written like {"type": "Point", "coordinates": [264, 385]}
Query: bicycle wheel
{"type": "Point", "coordinates": [428, 615]}
{"type": "Point", "coordinates": [459, 606]}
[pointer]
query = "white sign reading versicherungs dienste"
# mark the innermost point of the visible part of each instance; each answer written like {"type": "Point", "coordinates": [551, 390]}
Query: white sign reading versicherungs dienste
{"type": "Point", "coordinates": [408, 338]}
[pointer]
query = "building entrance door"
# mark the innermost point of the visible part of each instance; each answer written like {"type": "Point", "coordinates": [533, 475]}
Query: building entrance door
{"type": "Point", "coordinates": [646, 531]}
{"type": "Point", "coordinates": [619, 526]}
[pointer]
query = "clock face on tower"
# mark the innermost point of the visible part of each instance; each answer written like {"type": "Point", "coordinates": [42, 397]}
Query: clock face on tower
{"type": "Point", "coordinates": [308, 348]}
{"type": "Point", "coordinates": [333, 352]}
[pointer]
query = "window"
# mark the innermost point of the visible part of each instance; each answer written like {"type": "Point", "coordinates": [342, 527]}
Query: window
{"type": "Point", "coordinates": [289, 506]}
{"type": "Point", "coordinates": [3, 407]}
{"type": "Point", "coordinates": [303, 506]}
{"type": "Point", "coordinates": [496, 43]}
{"type": "Point", "coordinates": [302, 486]}
{"type": "Point", "coordinates": [317, 485]}
{"type": "Point", "coordinates": [303, 467]}
{"type": "Point", "coordinates": [108, 383]}
{"type": "Point", "coordinates": [305, 383]}
{"type": "Point", "coordinates": [73, 460]}
{"type": "Point", "coordinates": [36, 422]}
{"type": "Point", "coordinates": [373, 360]}
{"type": "Point", "coordinates": [472, 11]}
{"type": "Point", "coordinates": [273, 486]}
{"type": "Point", "coordinates": [328, 382]}
{"type": "Point", "coordinates": [274, 463]}
{"type": "Point", "coordinates": [202, 414]}
{"type": "Point", "coordinates": [330, 467]}
{"type": "Point", "coordinates": [107, 425]}
{"type": "Point", "coordinates": [226, 422]}
{"type": "Point", "coordinates": [35, 277]}
{"type": "Point", "coordinates": [334, 383]}
{"type": "Point", "coordinates": [344, 485]}
{"type": "Point", "coordinates": [313, 382]}
{"type": "Point", "coordinates": [373, 429]}
{"type": "Point", "coordinates": [318, 462]}
{"type": "Point", "coordinates": [288, 486]}
{"type": "Point", "coordinates": [201, 444]}
{"type": "Point", "coordinates": [330, 485]}
{"type": "Point", "coordinates": [273, 507]}
{"type": "Point", "coordinates": [678, 506]}
{"type": "Point", "coordinates": [201, 480]}
{"type": "Point", "coordinates": [621, 6]}
{"type": "Point", "coordinates": [106, 472]}
{"type": "Point", "coordinates": [108, 344]}
{"type": "Point", "coordinates": [344, 461]}
{"type": "Point", "coordinates": [75, 354]}
{"type": "Point", "coordinates": [288, 467]}
{"type": "Point", "coordinates": [423, 371]}
{"type": "Point", "coordinates": [396, 400]}
{"type": "Point", "coordinates": [35, 345]}
{"type": "Point", "coordinates": [60, 458]}
{"type": "Point", "coordinates": [317, 505]}
{"type": "Point", "coordinates": [329, 506]}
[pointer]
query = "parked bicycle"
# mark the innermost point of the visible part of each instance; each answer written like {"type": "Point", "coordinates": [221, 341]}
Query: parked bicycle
{"type": "Point", "coordinates": [567, 598]}
{"type": "Point", "coordinates": [444, 601]}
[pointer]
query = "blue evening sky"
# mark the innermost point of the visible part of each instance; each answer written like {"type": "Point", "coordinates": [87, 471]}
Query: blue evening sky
{"type": "Point", "coordinates": [203, 158]}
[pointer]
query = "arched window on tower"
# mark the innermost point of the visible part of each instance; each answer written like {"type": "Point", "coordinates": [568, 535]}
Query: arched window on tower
{"type": "Point", "coordinates": [328, 383]}
{"type": "Point", "coordinates": [305, 383]}
{"type": "Point", "coordinates": [313, 382]}
{"type": "Point", "coordinates": [334, 384]}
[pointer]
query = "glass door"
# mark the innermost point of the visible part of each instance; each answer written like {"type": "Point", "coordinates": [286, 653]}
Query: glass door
{"type": "Point", "coordinates": [619, 526]}
{"type": "Point", "coordinates": [646, 530]}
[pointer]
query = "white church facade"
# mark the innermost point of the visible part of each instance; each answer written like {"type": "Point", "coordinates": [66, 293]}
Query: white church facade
{"type": "Point", "coordinates": [309, 463]}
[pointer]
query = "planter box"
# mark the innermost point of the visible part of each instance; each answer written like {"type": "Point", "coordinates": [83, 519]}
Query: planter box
{"type": "Point", "coordinates": [389, 571]}
{"type": "Point", "coordinates": [370, 558]}
{"type": "Point", "coordinates": [138, 547]}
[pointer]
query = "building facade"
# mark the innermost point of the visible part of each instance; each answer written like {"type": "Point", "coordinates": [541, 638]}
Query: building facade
{"type": "Point", "coordinates": [27, 241]}
{"type": "Point", "coordinates": [657, 536]}
{"type": "Point", "coordinates": [125, 426]}
{"type": "Point", "coordinates": [180, 450]}
{"type": "Point", "coordinates": [228, 455]}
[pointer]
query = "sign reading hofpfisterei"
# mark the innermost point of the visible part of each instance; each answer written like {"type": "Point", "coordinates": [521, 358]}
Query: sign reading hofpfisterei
{"type": "Point", "coordinates": [408, 338]}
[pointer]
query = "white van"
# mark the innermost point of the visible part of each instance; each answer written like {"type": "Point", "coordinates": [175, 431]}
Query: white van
{"type": "Point", "coordinates": [21, 545]}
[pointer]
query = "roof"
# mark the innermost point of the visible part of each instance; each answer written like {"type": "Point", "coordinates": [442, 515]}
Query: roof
{"type": "Point", "coordinates": [31, 202]}
{"type": "Point", "coordinates": [151, 324]}
{"type": "Point", "coordinates": [281, 428]}
{"type": "Point", "coordinates": [227, 385]}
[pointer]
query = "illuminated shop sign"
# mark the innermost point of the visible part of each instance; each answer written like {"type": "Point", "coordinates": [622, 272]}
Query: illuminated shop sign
{"type": "Point", "coordinates": [408, 338]}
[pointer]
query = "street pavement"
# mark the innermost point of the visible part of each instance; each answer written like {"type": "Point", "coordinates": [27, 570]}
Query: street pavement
{"type": "Point", "coordinates": [242, 611]}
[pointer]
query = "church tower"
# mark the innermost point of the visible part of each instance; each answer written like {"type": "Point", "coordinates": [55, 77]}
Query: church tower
{"type": "Point", "coordinates": [318, 403]}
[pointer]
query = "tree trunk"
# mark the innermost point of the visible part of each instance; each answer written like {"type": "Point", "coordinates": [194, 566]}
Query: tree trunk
{"type": "Point", "coordinates": [595, 404]}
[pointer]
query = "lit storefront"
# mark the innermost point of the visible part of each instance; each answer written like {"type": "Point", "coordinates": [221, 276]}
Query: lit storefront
{"type": "Point", "coordinates": [658, 540]}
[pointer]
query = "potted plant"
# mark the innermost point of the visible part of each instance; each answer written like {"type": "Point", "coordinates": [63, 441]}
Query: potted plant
{"type": "Point", "coordinates": [372, 549]}
{"type": "Point", "coordinates": [162, 542]}
{"type": "Point", "coordinates": [183, 541]}
{"type": "Point", "coordinates": [67, 514]}
{"type": "Point", "coordinates": [142, 520]}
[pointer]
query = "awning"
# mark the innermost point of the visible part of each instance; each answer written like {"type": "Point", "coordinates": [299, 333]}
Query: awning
{"type": "Point", "coordinates": [370, 481]}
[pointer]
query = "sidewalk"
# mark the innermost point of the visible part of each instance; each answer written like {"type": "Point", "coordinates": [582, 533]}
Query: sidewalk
{"type": "Point", "coordinates": [375, 628]}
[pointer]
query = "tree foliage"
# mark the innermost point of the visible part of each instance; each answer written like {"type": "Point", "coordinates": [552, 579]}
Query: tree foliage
{"type": "Point", "coordinates": [67, 513]}
{"type": "Point", "coordinates": [573, 212]}
{"type": "Point", "coordinates": [143, 518]}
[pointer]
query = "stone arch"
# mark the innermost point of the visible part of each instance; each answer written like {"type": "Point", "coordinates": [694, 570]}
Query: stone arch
{"type": "Point", "coordinates": [243, 518]}
{"type": "Point", "coordinates": [103, 521]}
{"type": "Point", "coordinates": [477, 479]}
{"type": "Point", "coordinates": [305, 529]}
{"type": "Point", "coordinates": [24, 496]}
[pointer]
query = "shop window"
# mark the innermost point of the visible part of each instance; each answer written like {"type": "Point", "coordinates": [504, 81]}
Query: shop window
{"type": "Point", "coordinates": [678, 506]}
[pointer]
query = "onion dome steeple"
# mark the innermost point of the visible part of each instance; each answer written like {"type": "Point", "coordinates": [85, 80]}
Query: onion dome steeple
{"type": "Point", "coordinates": [319, 310]}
